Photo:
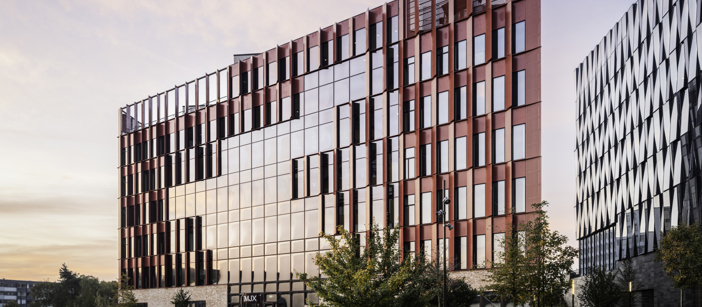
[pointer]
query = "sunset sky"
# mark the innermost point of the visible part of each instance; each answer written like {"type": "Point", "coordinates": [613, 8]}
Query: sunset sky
{"type": "Point", "coordinates": [67, 66]}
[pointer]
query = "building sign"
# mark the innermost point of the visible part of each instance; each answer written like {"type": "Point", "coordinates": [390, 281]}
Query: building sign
{"type": "Point", "coordinates": [251, 299]}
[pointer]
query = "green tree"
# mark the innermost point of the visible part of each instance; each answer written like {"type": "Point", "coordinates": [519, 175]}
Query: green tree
{"type": "Point", "coordinates": [543, 262]}
{"type": "Point", "coordinates": [370, 276]}
{"type": "Point", "coordinates": [680, 250]}
{"type": "Point", "coordinates": [601, 289]}
{"type": "Point", "coordinates": [627, 274]}
{"type": "Point", "coordinates": [124, 296]}
{"type": "Point", "coordinates": [181, 298]}
{"type": "Point", "coordinates": [428, 290]}
{"type": "Point", "coordinates": [11, 304]}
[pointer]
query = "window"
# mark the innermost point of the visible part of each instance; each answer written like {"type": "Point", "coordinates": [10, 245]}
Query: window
{"type": "Point", "coordinates": [425, 160]}
{"type": "Point", "coordinates": [498, 197]}
{"type": "Point", "coordinates": [479, 149]}
{"type": "Point", "coordinates": [409, 211]}
{"type": "Point", "coordinates": [272, 72]}
{"type": "Point", "coordinates": [519, 88]}
{"type": "Point", "coordinates": [245, 82]}
{"type": "Point", "coordinates": [426, 66]}
{"type": "Point", "coordinates": [312, 58]}
{"type": "Point", "coordinates": [498, 146]}
{"type": "Point", "coordinates": [460, 55]}
{"type": "Point", "coordinates": [393, 113]}
{"type": "Point", "coordinates": [519, 195]}
{"type": "Point", "coordinates": [393, 29]}
{"type": "Point", "coordinates": [408, 116]}
{"type": "Point", "coordinates": [344, 136]}
{"type": "Point", "coordinates": [376, 118]}
{"type": "Point", "coordinates": [359, 210]}
{"type": "Point", "coordinates": [425, 112]}
{"type": "Point", "coordinates": [460, 154]}
{"type": "Point", "coordinates": [498, 246]}
{"type": "Point", "coordinates": [313, 184]}
{"type": "Point", "coordinates": [298, 178]}
{"type": "Point", "coordinates": [258, 78]}
{"type": "Point", "coordinates": [461, 203]}
{"type": "Point", "coordinates": [479, 251]}
{"type": "Point", "coordinates": [461, 103]}
{"type": "Point", "coordinates": [519, 37]}
{"type": "Point", "coordinates": [442, 60]}
{"type": "Point", "coordinates": [342, 47]}
{"type": "Point", "coordinates": [409, 70]}
{"type": "Point", "coordinates": [376, 72]}
{"type": "Point", "coordinates": [376, 35]}
{"type": "Point", "coordinates": [376, 162]}
{"type": "Point", "coordinates": [498, 93]}
{"type": "Point", "coordinates": [518, 142]}
{"type": "Point", "coordinates": [235, 88]}
{"type": "Point", "coordinates": [426, 213]}
{"type": "Point", "coordinates": [394, 159]}
{"type": "Point", "coordinates": [479, 49]}
{"type": "Point", "coordinates": [479, 98]}
{"type": "Point", "coordinates": [343, 169]}
{"type": "Point", "coordinates": [498, 43]}
{"type": "Point", "coordinates": [461, 251]}
{"type": "Point", "coordinates": [327, 53]}
{"type": "Point", "coordinates": [409, 163]}
{"type": "Point", "coordinates": [359, 41]}
{"type": "Point", "coordinates": [442, 164]}
{"type": "Point", "coordinates": [327, 172]}
{"type": "Point", "coordinates": [479, 200]}
{"type": "Point", "coordinates": [443, 106]}
{"type": "Point", "coordinates": [393, 70]}
{"type": "Point", "coordinates": [360, 166]}
{"type": "Point", "coordinates": [359, 122]}
{"type": "Point", "coordinates": [299, 64]}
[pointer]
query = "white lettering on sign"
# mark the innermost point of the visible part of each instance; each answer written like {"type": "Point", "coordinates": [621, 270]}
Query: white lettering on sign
{"type": "Point", "coordinates": [249, 298]}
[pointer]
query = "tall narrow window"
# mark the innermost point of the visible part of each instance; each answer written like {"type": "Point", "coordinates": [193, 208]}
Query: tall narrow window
{"type": "Point", "coordinates": [498, 93]}
{"type": "Point", "coordinates": [258, 78]}
{"type": "Point", "coordinates": [409, 211]}
{"type": "Point", "coordinates": [479, 149]}
{"type": "Point", "coordinates": [377, 72]}
{"type": "Point", "coordinates": [393, 66]}
{"type": "Point", "coordinates": [479, 251]}
{"type": "Point", "coordinates": [498, 197]}
{"type": "Point", "coordinates": [272, 73]}
{"type": "Point", "coordinates": [518, 142]}
{"type": "Point", "coordinates": [426, 66]}
{"type": "Point", "coordinates": [298, 178]}
{"type": "Point", "coordinates": [425, 112]}
{"type": "Point", "coordinates": [313, 178]}
{"type": "Point", "coordinates": [360, 166]}
{"type": "Point", "coordinates": [479, 98]}
{"type": "Point", "coordinates": [343, 169]}
{"type": "Point", "coordinates": [461, 250]}
{"type": "Point", "coordinates": [479, 49]}
{"type": "Point", "coordinates": [342, 47]}
{"type": "Point", "coordinates": [498, 146]}
{"type": "Point", "coordinates": [460, 153]}
{"type": "Point", "coordinates": [443, 106]}
{"type": "Point", "coordinates": [394, 113]}
{"type": "Point", "coordinates": [299, 64]}
{"type": "Point", "coordinates": [327, 163]}
{"type": "Point", "coordinates": [519, 88]}
{"type": "Point", "coordinates": [426, 212]}
{"type": "Point", "coordinates": [376, 35]}
{"type": "Point", "coordinates": [425, 160]}
{"type": "Point", "coordinates": [460, 55]}
{"type": "Point", "coordinates": [284, 68]}
{"type": "Point", "coordinates": [409, 70]}
{"type": "Point", "coordinates": [344, 136]}
{"type": "Point", "coordinates": [461, 203]}
{"type": "Point", "coordinates": [235, 88]}
{"type": "Point", "coordinates": [244, 83]}
{"type": "Point", "coordinates": [359, 210]}
{"type": "Point", "coordinates": [442, 163]}
{"type": "Point", "coordinates": [409, 163]}
{"type": "Point", "coordinates": [359, 121]}
{"type": "Point", "coordinates": [327, 53]}
{"type": "Point", "coordinates": [460, 108]}
{"type": "Point", "coordinates": [359, 41]}
{"type": "Point", "coordinates": [376, 121]}
{"type": "Point", "coordinates": [498, 247]}
{"type": "Point", "coordinates": [442, 60]}
{"type": "Point", "coordinates": [408, 116]}
{"type": "Point", "coordinates": [313, 58]}
{"type": "Point", "coordinates": [479, 200]}
{"type": "Point", "coordinates": [498, 43]}
{"type": "Point", "coordinates": [519, 37]}
{"type": "Point", "coordinates": [376, 162]}
{"type": "Point", "coordinates": [393, 29]}
{"type": "Point", "coordinates": [519, 195]}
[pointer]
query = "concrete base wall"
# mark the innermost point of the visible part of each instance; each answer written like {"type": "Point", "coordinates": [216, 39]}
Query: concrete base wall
{"type": "Point", "coordinates": [215, 295]}
{"type": "Point", "coordinates": [475, 278]}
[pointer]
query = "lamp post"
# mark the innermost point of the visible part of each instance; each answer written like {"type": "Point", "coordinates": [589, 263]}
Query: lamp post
{"type": "Point", "coordinates": [629, 293]}
{"type": "Point", "coordinates": [572, 292]}
{"type": "Point", "coordinates": [441, 213]}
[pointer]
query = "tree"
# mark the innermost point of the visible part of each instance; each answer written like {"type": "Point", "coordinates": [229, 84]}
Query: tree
{"type": "Point", "coordinates": [627, 274]}
{"type": "Point", "coordinates": [680, 250]}
{"type": "Point", "coordinates": [125, 297]}
{"type": "Point", "coordinates": [181, 298]}
{"type": "Point", "coordinates": [428, 291]}
{"type": "Point", "coordinates": [11, 304]}
{"type": "Point", "coordinates": [370, 276]}
{"type": "Point", "coordinates": [534, 268]}
{"type": "Point", "coordinates": [601, 289]}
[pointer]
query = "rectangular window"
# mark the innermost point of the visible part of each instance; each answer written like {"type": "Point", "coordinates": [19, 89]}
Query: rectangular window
{"type": "Point", "coordinates": [359, 122]}
{"type": "Point", "coordinates": [343, 169]}
{"type": "Point", "coordinates": [460, 153]}
{"type": "Point", "coordinates": [519, 37]}
{"type": "Point", "coordinates": [298, 178]}
{"type": "Point", "coordinates": [498, 43]}
{"type": "Point", "coordinates": [235, 88]}
{"type": "Point", "coordinates": [313, 184]}
{"type": "Point", "coordinates": [479, 149]}
{"type": "Point", "coordinates": [443, 106]}
{"type": "Point", "coordinates": [245, 82]}
{"type": "Point", "coordinates": [518, 142]}
{"type": "Point", "coordinates": [344, 136]}
{"type": "Point", "coordinates": [376, 35]}
{"type": "Point", "coordinates": [460, 55]}
{"type": "Point", "coordinates": [479, 98]}
{"type": "Point", "coordinates": [408, 116]}
{"type": "Point", "coordinates": [393, 29]}
{"type": "Point", "coordinates": [498, 243]}
{"type": "Point", "coordinates": [442, 60]}
{"type": "Point", "coordinates": [498, 93]}
{"type": "Point", "coordinates": [479, 200]}
{"type": "Point", "coordinates": [460, 108]}
{"type": "Point", "coordinates": [498, 146]}
{"type": "Point", "coordinates": [359, 210]}
{"type": "Point", "coordinates": [272, 72]}
{"type": "Point", "coordinates": [498, 197]}
{"type": "Point", "coordinates": [479, 251]}
{"type": "Point", "coordinates": [342, 47]}
{"type": "Point", "coordinates": [426, 66]}
{"type": "Point", "coordinates": [376, 120]}
{"type": "Point", "coordinates": [461, 203]}
{"type": "Point", "coordinates": [519, 195]}
{"type": "Point", "coordinates": [313, 58]}
{"type": "Point", "coordinates": [425, 160]}
{"type": "Point", "coordinates": [409, 71]}
{"type": "Point", "coordinates": [376, 162]}
{"type": "Point", "coordinates": [284, 68]}
{"type": "Point", "coordinates": [393, 66]}
{"type": "Point", "coordinates": [394, 159]}
{"type": "Point", "coordinates": [479, 49]}
{"type": "Point", "coordinates": [299, 64]}
{"type": "Point", "coordinates": [461, 250]}
{"type": "Point", "coordinates": [409, 211]}
{"type": "Point", "coordinates": [393, 113]}
{"type": "Point", "coordinates": [327, 172]}
{"type": "Point", "coordinates": [258, 78]}
{"type": "Point", "coordinates": [519, 88]}
{"type": "Point", "coordinates": [425, 112]}
{"type": "Point", "coordinates": [327, 53]}
{"type": "Point", "coordinates": [426, 212]}
{"type": "Point", "coordinates": [409, 163]}
{"type": "Point", "coordinates": [442, 164]}
{"type": "Point", "coordinates": [360, 166]}
{"type": "Point", "coordinates": [359, 41]}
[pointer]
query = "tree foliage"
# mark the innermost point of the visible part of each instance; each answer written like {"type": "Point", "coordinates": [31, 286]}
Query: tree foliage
{"type": "Point", "coordinates": [72, 289]}
{"type": "Point", "coordinates": [181, 298]}
{"type": "Point", "coordinates": [601, 289]}
{"type": "Point", "coordinates": [377, 274]}
{"type": "Point", "coordinates": [680, 250]}
{"type": "Point", "coordinates": [11, 304]}
{"type": "Point", "coordinates": [535, 264]}
{"type": "Point", "coordinates": [125, 296]}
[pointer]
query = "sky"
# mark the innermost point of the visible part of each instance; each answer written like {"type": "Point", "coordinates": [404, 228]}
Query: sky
{"type": "Point", "coordinates": [67, 66]}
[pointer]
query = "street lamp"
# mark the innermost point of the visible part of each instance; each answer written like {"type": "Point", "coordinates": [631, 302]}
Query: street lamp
{"type": "Point", "coordinates": [442, 214]}
{"type": "Point", "coordinates": [572, 292]}
{"type": "Point", "coordinates": [629, 293]}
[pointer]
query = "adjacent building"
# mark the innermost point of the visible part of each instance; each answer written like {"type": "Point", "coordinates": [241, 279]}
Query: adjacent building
{"type": "Point", "coordinates": [16, 291]}
{"type": "Point", "coordinates": [227, 180]}
{"type": "Point", "coordinates": [637, 143]}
